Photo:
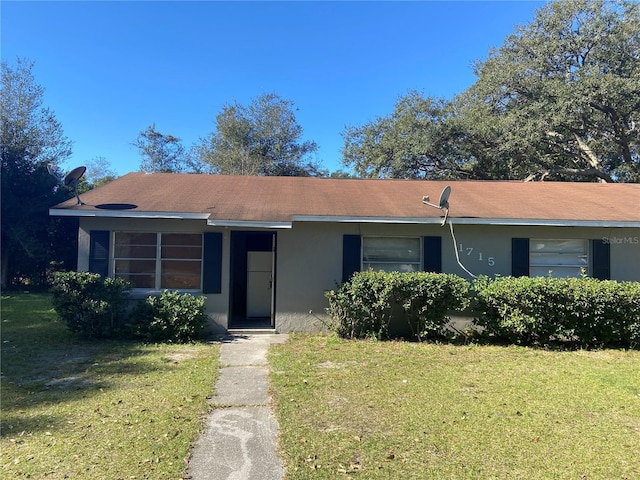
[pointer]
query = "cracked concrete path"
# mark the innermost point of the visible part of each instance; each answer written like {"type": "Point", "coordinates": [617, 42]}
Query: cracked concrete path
{"type": "Point", "coordinates": [240, 437]}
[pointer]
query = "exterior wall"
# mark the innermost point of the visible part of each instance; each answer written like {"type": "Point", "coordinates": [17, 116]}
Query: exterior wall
{"type": "Point", "coordinates": [309, 257]}
{"type": "Point", "coordinates": [625, 253]}
{"type": "Point", "coordinates": [309, 263]}
{"type": "Point", "coordinates": [216, 305]}
{"type": "Point", "coordinates": [495, 242]}
{"type": "Point", "coordinates": [309, 260]}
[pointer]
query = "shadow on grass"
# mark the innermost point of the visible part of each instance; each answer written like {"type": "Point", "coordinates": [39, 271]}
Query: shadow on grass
{"type": "Point", "coordinates": [53, 377]}
{"type": "Point", "coordinates": [44, 364]}
{"type": "Point", "coordinates": [17, 425]}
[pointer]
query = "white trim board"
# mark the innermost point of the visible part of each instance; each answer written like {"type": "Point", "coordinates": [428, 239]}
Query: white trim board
{"type": "Point", "coordinates": [126, 214]}
{"type": "Point", "coordinates": [531, 222]}
{"type": "Point", "coordinates": [528, 222]}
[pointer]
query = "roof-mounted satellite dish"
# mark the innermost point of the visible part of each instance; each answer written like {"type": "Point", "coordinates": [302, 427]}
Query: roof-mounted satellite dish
{"type": "Point", "coordinates": [70, 180]}
{"type": "Point", "coordinates": [443, 203]}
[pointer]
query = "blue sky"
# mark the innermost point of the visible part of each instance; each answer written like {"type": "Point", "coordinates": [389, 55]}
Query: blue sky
{"type": "Point", "coordinates": [111, 69]}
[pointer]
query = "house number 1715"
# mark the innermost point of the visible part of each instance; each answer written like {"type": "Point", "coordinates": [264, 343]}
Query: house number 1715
{"type": "Point", "coordinates": [481, 258]}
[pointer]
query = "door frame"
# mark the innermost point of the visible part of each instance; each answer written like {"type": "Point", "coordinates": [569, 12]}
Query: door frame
{"type": "Point", "coordinates": [243, 241]}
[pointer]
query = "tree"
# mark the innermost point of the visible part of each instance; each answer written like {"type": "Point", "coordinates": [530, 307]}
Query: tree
{"type": "Point", "coordinates": [160, 152]}
{"type": "Point", "coordinates": [31, 138]}
{"type": "Point", "coordinates": [98, 173]}
{"type": "Point", "coordinates": [559, 100]}
{"type": "Point", "coordinates": [260, 139]}
{"type": "Point", "coordinates": [561, 97]}
{"type": "Point", "coordinates": [418, 140]}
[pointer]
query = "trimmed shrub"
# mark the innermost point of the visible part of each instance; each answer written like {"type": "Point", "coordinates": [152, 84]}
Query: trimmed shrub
{"type": "Point", "coordinates": [170, 317]}
{"type": "Point", "coordinates": [380, 304]}
{"type": "Point", "coordinates": [89, 305]}
{"type": "Point", "coordinates": [361, 307]}
{"type": "Point", "coordinates": [542, 310]}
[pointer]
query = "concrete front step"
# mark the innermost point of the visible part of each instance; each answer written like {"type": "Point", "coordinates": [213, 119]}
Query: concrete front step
{"type": "Point", "coordinates": [252, 331]}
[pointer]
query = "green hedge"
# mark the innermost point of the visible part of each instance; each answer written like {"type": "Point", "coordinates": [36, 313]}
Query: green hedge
{"type": "Point", "coordinates": [387, 304]}
{"type": "Point", "coordinates": [171, 317]}
{"type": "Point", "coordinates": [578, 312]}
{"type": "Point", "coordinates": [89, 305]}
{"type": "Point", "coordinates": [95, 307]}
{"type": "Point", "coordinates": [583, 311]}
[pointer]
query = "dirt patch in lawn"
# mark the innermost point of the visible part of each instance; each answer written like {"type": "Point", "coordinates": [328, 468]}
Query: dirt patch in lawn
{"type": "Point", "coordinates": [177, 357]}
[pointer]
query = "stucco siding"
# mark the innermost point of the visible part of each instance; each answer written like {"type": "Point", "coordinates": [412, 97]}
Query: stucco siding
{"type": "Point", "coordinates": [309, 257]}
{"type": "Point", "coordinates": [625, 253]}
{"type": "Point", "coordinates": [309, 263]}
{"type": "Point", "coordinates": [494, 242]}
{"type": "Point", "coordinates": [216, 305]}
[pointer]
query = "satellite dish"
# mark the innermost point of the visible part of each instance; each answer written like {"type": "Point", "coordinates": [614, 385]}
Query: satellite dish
{"type": "Point", "coordinates": [71, 181]}
{"type": "Point", "coordinates": [443, 203]}
{"type": "Point", "coordinates": [73, 176]}
{"type": "Point", "coordinates": [444, 197]}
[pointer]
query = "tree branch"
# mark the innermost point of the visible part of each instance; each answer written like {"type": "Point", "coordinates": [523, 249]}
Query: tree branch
{"type": "Point", "coordinates": [574, 172]}
{"type": "Point", "coordinates": [593, 160]}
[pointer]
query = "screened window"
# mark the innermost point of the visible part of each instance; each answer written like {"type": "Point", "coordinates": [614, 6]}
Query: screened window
{"type": "Point", "coordinates": [558, 258]}
{"type": "Point", "coordinates": [135, 258]}
{"type": "Point", "coordinates": [391, 254]}
{"type": "Point", "coordinates": [159, 260]}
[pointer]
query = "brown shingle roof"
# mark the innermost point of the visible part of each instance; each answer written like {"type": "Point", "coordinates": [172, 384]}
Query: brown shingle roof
{"type": "Point", "coordinates": [285, 199]}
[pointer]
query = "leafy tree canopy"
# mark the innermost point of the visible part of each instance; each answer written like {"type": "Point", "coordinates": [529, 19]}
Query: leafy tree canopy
{"type": "Point", "coordinates": [262, 138]}
{"type": "Point", "coordinates": [160, 153]}
{"type": "Point", "coordinates": [560, 99]}
{"type": "Point", "coordinates": [31, 138]}
{"type": "Point", "coordinates": [562, 95]}
{"type": "Point", "coordinates": [99, 172]}
{"type": "Point", "coordinates": [418, 140]}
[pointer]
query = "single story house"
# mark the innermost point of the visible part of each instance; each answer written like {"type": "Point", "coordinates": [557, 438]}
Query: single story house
{"type": "Point", "coordinates": [264, 250]}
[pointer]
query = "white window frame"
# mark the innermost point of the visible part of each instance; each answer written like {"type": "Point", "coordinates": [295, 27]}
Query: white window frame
{"type": "Point", "coordinates": [365, 263]}
{"type": "Point", "coordinates": [555, 261]}
{"type": "Point", "coordinates": [158, 259]}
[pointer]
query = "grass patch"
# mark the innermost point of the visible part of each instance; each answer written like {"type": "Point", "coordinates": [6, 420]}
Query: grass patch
{"type": "Point", "coordinates": [357, 409]}
{"type": "Point", "coordinates": [73, 408]}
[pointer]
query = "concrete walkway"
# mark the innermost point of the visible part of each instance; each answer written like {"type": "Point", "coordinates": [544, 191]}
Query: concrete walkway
{"type": "Point", "coordinates": [239, 441]}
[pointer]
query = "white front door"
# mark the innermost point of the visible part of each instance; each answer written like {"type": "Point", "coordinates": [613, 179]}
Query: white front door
{"type": "Point", "coordinates": [259, 283]}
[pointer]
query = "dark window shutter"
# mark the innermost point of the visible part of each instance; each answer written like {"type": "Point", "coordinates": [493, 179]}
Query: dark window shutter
{"type": "Point", "coordinates": [99, 252]}
{"type": "Point", "coordinates": [351, 261]}
{"type": "Point", "coordinates": [212, 263]}
{"type": "Point", "coordinates": [432, 254]}
{"type": "Point", "coordinates": [601, 259]}
{"type": "Point", "coordinates": [520, 257]}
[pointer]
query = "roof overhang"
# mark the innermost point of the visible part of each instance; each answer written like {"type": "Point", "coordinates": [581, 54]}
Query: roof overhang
{"type": "Point", "coordinates": [528, 222]}
{"type": "Point", "coordinates": [64, 212]}
{"type": "Point", "coordinates": [283, 224]}
{"type": "Point", "coordinates": [525, 222]}
{"type": "Point", "coordinates": [249, 223]}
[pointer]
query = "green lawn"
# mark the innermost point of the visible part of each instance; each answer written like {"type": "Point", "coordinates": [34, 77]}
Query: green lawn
{"type": "Point", "coordinates": [74, 408]}
{"type": "Point", "coordinates": [389, 410]}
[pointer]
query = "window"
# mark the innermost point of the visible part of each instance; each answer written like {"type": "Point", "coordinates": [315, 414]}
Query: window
{"type": "Point", "coordinates": [159, 260]}
{"type": "Point", "coordinates": [563, 258]}
{"type": "Point", "coordinates": [391, 254]}
{"type": "Point", "coordinates": [135, 258]}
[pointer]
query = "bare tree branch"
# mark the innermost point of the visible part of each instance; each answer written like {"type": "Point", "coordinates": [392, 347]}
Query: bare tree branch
{"type": "Point", "coordinates": [593, 160]}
